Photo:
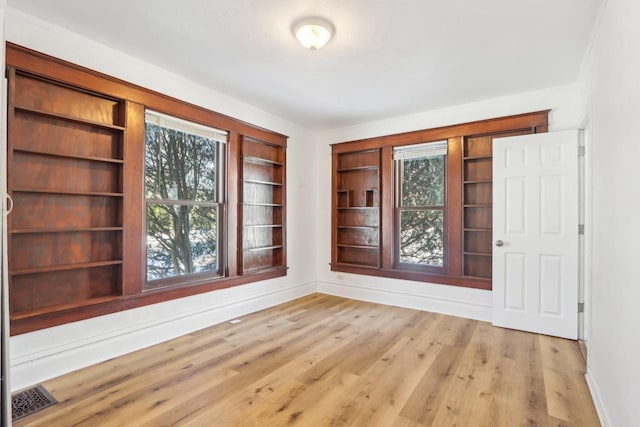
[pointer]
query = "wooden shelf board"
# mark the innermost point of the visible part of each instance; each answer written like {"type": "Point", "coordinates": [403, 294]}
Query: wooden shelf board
{"type": "Point", "coordinates": [357, 207]}
{"type": "Point", "coordinates": [67, 118]}
{"type": "Point", "coordinates": [67, 192]}
{"type": "Point", "coordinates": [478, 254]}
{"type": "Point", "coordinates": [478, 181]}
{"type": "Point", "coordinates": [359, 168]}
{"type": "Point", "coordinates": [253, 159]}
{"type": "Point", "coordinates": [63, 230]}
{"type": "Point", "coordinates": [69, 156]}
{"type": "Point", "coordinates": [256, 181]}
{"type": "Point", "coordinates": [488, 279]}
{"type": "Point", "coordinates": [478, 229]}
{"type": "Point", "coordinates": [273, 205]}
{"type": "Point", "coordinates": [478, 205]}
{"type": "Point", "coordinates": [340, 245]}
{"type": "Point", "coordinates": [64, 267]}
{"type": "Point", "coordinates": [263, 248]}
{"type": "Point", "coordinates": [346, 264]}
{"type": "Point", "coordinates": [264, 269]}
{"type": "Point", "coordinates": [56, 308]}
{"type": "Point", "coordinates": [477, 157]}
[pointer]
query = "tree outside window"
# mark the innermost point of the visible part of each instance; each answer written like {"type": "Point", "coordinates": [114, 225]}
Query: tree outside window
{"type": "Point", "coordinates": [182, 209]}
{"type": "Point", "coordinates": [421, 205]}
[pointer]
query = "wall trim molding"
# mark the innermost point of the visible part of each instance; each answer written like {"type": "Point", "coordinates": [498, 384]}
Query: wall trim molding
{"type": "Point", "coordinates": [51, 361]}
{"type": "Point", "coordinates": [467, 307]}
{"type": "Point", "coordinates": [597, 399]}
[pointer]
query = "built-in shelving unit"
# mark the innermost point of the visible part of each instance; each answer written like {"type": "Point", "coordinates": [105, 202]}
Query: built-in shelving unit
{"type": "Point", "coordinates": [357, 208]}
{"type": "Point", "coordinates": [263, 204]}
{"type": "Point", "coordinates": [477, 206]}
{"type": "Point", "coordinates": [65, 161]}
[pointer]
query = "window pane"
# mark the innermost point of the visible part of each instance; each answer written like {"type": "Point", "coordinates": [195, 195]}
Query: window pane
{"type": "Point", "coordinates": [423, 181]}
{"type": "Point", "coordinates": [179, 166]}
{"type": "Point", "coordinates": [181, 240]}
{"type": "Point", "coordinates": [422, 237]}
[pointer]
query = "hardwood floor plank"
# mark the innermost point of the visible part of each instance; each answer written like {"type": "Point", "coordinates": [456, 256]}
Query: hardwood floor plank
{"type": "Point", "coordinates": [328, 361]}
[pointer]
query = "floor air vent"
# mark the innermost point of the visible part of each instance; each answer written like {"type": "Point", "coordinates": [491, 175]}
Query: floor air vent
{"type": "Point", "coordinates": [29, 401]}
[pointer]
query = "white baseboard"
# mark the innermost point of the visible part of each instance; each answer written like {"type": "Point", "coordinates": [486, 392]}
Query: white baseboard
{"type": "Point", "coordinates": [48, 353]}
{"type": "Point", "coordinates": [462, 302]}
{"type": "Point", "coordinates": [597, 400]}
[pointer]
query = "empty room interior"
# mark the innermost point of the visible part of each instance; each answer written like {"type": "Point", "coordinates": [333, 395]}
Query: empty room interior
{"type": "Point", "coordinates": [320, 212]}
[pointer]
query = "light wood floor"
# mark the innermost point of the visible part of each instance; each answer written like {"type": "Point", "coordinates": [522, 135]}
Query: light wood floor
{"type": "Point", "coordinates": [323, 360]}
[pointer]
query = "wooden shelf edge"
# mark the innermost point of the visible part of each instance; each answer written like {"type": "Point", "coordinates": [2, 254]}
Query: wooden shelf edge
{"type": "Point", "coordinates": [260, 160]}
{"type": "Point", "coordinates": [64, 230]}
{"type": "Point", "coordinates": [485, 254]}
{"type": "Point", "coordinates": [478, 181]}
{"type": "Point", "coordinates": [360, 168]}
{"type": "Point", "coordinates": [348, 265]}
{"type": "Point", "coordinates": [263, 248]}
{"type": "Point", "coordinates": [69, 156]}
{"type": "Point", "coordinates": [341, 245]}
{"type": "Point", "coordinates": [64, 267]}
{"type": "Point", "coordinates": [477, 157]}
{"type": "Point", "coordinates": [256, 181]}
{"type": "Point", "coordinates": [63, 307]}
{"type": "Point", "coordinates": [66, 117]}
{"type": "Point", "coordinates": [67, 192]}
{"type": "Point", "coordinates": [267, 205]}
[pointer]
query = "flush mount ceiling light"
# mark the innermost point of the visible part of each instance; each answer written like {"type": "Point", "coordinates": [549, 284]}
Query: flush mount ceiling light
{"type": "Point", "coordinates": [313, 33]}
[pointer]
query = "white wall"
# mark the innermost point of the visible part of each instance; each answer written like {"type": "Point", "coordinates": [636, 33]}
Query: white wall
{"type": "Point", "coordinates": [466, 302]}
{"type": "Point", "coordinates": [47, 353]}
{"type": "Point", "coordinates": [610, 92]}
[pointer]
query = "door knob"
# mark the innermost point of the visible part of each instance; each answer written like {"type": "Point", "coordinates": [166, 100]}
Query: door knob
{"type": "Point", "coordinates": [499, 243]}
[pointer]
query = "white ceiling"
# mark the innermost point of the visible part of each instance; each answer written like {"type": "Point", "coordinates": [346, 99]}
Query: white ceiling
{"type": "Point", "coordinates": [387, 58]}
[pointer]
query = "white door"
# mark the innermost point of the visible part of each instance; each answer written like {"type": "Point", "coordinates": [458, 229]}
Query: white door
{"type": "Point", "coordinates": [535, 233]}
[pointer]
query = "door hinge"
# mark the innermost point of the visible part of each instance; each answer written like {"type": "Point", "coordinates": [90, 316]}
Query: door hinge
{"type": "Point", "coordinates": [581, 150]}
{"type": "Point", "coordinates": [580, 307]}
{"type": "Point", "coordinates": [580, 228]}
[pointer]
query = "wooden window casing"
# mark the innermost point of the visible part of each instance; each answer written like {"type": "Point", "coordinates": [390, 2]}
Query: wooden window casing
{"type": "Point", "coordinates": [468, 198]}
{"type": "Point", "coordinates": [76, 141]}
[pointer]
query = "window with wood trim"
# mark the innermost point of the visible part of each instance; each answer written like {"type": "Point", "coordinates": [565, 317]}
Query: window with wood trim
{"type": "Point", "coordinates": [125, 197]}
{"type": "Point", "coordinates": [402, 211]}
{"type": "Point", "coordinates": [420, 218]}
{"type": "Point", "coordinates": [183, 189]}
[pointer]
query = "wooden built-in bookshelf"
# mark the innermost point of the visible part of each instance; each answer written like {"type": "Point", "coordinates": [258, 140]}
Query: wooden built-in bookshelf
{"type": "Point", "coordinates": [65, 178]}
{"type": "Point", "coordinates": [263, 206]}
{"type": "Point", "coordinates": [357, 203]}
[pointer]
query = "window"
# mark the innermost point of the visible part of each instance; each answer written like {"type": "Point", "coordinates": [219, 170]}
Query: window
{"type": "Point", "coordinates": [420, 205]}
{"type": "Point", "coordinates": [183, 170]}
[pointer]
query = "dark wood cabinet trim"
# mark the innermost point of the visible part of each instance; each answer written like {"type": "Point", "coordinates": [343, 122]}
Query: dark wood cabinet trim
{"type": "Point", "coordinates": [461, 265]}
{"type": "Point", "coordinates": [115, 304]}
{"type": "Point", "coordinates": [77, 76]}
{"type": "Point", "coordinates": [537, 121]}
{"type": "Point", "coordinates": [417, 276]}
{"type": "Point", "coordinates": [129, 126]}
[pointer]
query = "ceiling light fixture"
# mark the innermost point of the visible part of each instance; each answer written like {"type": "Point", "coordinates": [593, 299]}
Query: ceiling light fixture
{"type": "Point", "coordinates": [313, 33]}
